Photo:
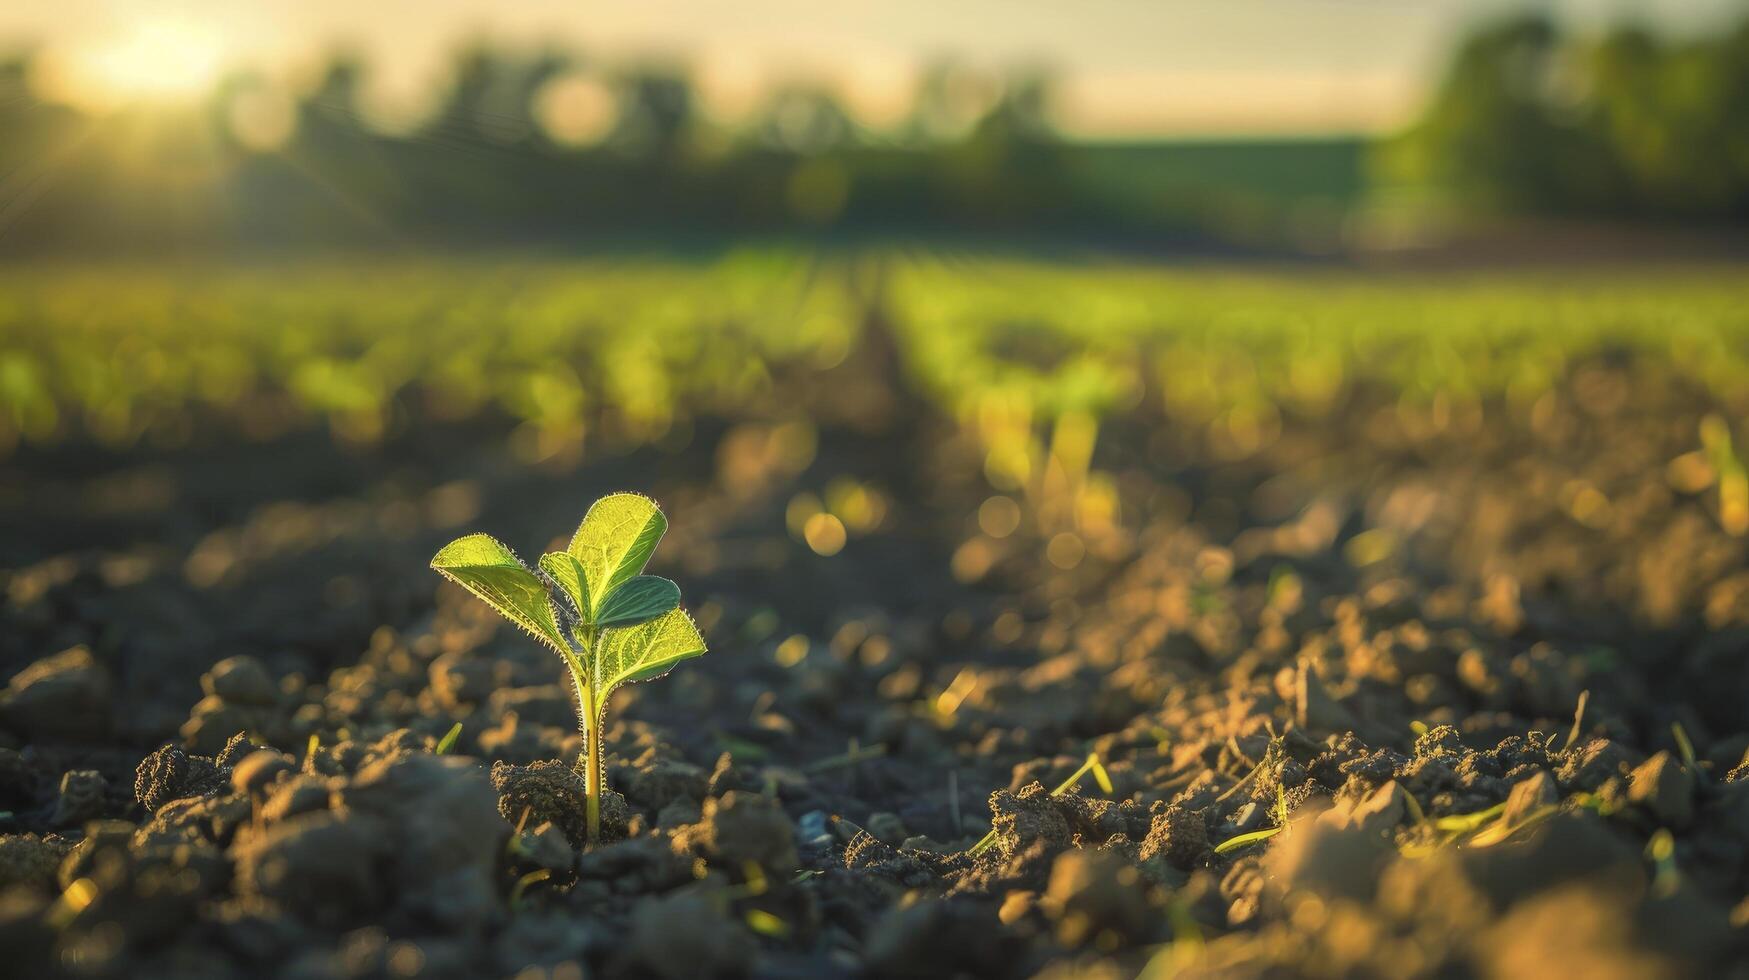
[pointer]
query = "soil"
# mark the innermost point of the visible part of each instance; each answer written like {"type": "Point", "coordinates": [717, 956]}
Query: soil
{"type": "Point", "coordinates": [230, 669]}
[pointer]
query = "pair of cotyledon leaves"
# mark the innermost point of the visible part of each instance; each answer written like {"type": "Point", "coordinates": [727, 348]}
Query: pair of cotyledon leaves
{"type": "Point", "coordinates": [642, 631]}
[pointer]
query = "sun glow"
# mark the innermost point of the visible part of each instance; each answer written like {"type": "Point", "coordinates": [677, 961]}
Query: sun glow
{"type": "Point", "coordinates": [154, 61]}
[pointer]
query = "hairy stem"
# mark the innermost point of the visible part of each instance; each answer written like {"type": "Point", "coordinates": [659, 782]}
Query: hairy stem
{"type": "Point", "coordinates": [593, 718]}
{"type": "Point", "coordinates": [592, 801]}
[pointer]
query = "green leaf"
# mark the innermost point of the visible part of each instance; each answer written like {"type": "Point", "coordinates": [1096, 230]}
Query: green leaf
{"type": "Point", "coordinates": [1246, 840]}
{"type": "Point", "coordinates": [639, 601]}
{"type": "Point", "coordinates": [567, 572]}
{"type": "Point", "coordinates": [638, 653]}
{"type": "Point", "coordinates": [613, 543]}
{"type": "Point", "coordinates": [491, 571]}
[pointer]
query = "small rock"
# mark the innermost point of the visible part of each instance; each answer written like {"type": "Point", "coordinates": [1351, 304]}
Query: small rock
{"type": "Point", "coordinates": [63, 696]}
{"type": "Point", "coordinates": [1665, 788]}
{"type": "Point", "coordinates": [81, 798]}
{"type": "Point", "coordinates": [241, 680]}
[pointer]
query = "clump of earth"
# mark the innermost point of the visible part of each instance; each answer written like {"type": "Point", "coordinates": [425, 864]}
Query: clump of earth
{"type": "Point", "coordinates": [1370, 701]}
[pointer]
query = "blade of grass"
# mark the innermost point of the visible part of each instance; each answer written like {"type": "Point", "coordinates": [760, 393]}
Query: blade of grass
{"type": "Point", "coordinates": [1685, 748]}
{"type": "Point", "coordinates": [518, 890]}
{"type": "Point", "coordinates": [1245, 840]}
{"type": "Point", "coordinates": [1463, 823]}
{"type": "Point", "coordinates": [445, 744]}
{"type": "Point", "coordinates": [1578, 718]}
{"type": "Point", "coordinates": [1661, 851]}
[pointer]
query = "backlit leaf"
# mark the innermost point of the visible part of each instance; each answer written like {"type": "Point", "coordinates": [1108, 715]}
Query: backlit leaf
{"type": "Point", "coordinates": [567, 573]}
{"type": "Point", "coordinates": [639, 600]}
{"type": "Point", "coordinates": [491, 571]}
{"type": "Point", "coordinates": [614, 542]}
{"type": "Point", "coordinates": [638, 653]}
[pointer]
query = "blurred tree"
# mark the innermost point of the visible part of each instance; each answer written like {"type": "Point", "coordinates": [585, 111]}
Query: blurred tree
{"type": "Point", "coordinates": [1629, 124]}
{"type": "Point", "coordinates": [656, 112]}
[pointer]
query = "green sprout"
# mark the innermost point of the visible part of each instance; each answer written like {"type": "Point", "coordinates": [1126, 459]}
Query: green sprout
{"type": "Point", "coordinates": [591, 603]}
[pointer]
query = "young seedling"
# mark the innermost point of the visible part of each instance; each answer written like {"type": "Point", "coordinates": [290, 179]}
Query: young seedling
{"type": "Point", "coordinates": [591, 603]}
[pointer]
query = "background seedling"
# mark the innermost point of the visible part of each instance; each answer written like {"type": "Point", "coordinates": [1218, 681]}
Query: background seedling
{"type": "Point", "coordinates": [1578, 719]}
{"type": "Point", "coordinates": [591, 603]}
{"type": "Point", "coordinates": [1279, 811]}
{"type": "Point", "coordinates": [447, 743]}
{"type": "Point", "coordinates": [1685, 749]}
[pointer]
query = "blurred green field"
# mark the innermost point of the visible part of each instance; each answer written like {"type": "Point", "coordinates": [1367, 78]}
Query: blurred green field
{"type": "Point", "coordinates": [122, 353]}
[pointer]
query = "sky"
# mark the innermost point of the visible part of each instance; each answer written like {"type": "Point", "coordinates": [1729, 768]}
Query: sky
{"type": "Point", "coordinates": [1128, 68]}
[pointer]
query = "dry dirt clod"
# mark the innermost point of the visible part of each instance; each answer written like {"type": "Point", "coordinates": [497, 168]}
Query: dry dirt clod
{"type": "Point", "coordinates": [1179, 837]}
{"type": "Point", "coordinates": [552, 792]}
{"type": "Point", "coordinates": [173, 774]}
{"type": "Point", "coordinates": [1529, 796]}
{"type": "Point", "coordinates": [258, 770]}
{"type": "Point", "coordinates": [241, 680]}
{"type": "Point", "coordinates": [1378, 813]}
{"type": "Point", "coordinates": [28, 861]}
{"type": "Point", "coordinates": [546, 847]}
{"type": "Point", "coordinates": [686, 935]}
{"type": "Point", "coordinates": [67, 695]}
{"type": "Point", "coordinates": [742, 827]}
{"type": "Point", "coordinates": [939, 938]}
{"type": "Point", "coordinates": [1665, 788]}
{"type": "Point", "coordinates": [1092, 893]}
{"type": "Point", "coordinates": [80, 799]}
{"type": "Point", "coordinates": [1334, 862]}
